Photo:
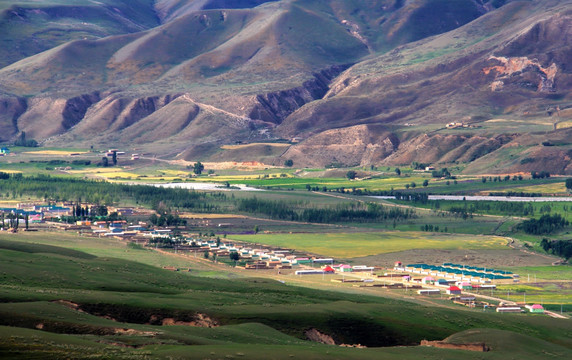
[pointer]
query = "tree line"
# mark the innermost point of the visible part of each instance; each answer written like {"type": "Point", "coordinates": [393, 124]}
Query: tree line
{"type": "Point", "coordinates": [546, 224]}
{"type": "Point", "coordinates": [105, 193]}
{"type": "Point", "coordinates": [561, 248]}
{"type": "Point", "coordinates": [348, 212]}
{"type": "Point", "coordinates": [167, 201]}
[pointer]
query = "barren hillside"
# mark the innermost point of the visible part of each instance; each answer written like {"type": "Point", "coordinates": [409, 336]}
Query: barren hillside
{"type": "Point", "coordinates": [358, 82]}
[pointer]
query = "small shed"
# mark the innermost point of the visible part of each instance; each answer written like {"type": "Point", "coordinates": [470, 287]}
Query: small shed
{"type": "Point", "coordinates": [443, 282]}
{"type": "Point", "coordinates": [398, 264]}
{"type": "Point", "coordinates": [345, 268]}
{"type": "Point", "coordinates": [428, 280]}
{"type": "Point", "coordinates": [453, 290]}
{"type": "Point", "coordinates": [328, 269]}
{"type": "Point", "coordinates": [536, 308]}
{"type": "Point", "coordinates": [466, 286]}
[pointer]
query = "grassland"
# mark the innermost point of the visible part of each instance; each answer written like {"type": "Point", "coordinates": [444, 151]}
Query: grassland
{"type": "Point", "coordinates": [258, 316]}
{"type": "Point", "coordinates": [350, 245]}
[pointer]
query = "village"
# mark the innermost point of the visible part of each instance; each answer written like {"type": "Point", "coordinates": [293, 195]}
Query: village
{"type": "Point", "coordinates": [464, 285]}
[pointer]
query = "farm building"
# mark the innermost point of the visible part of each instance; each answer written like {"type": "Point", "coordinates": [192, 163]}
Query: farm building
{"type": "Point", "coordinates": [536, 308]}
{"type": "Point", "coordinates": [509, 309]}
{"type": "Point", "coordinates": [459, 272]}
{"type": "Point", "coordinates": [466, 286]}
{"type": "Point", "coordinates": [442, 282]}
{"type": "Point", "coordinates": [428, 280]}
{"type": "Point", "coordinates": [312, 272]}
{"type": "Point", "coordinates": [324, 261]}
{"type": "Point", "coordinates": [429, 292]}
{"type": "Point", "coordinates": [328, 269]}
{"type": "Point", "coordinates": [362, 268]}
{"type": "Point", "coordinates": [343, 268]}
{"type": "Point", "coordinates": [303, 261]}
{"type": "Point", "coordinates": [453, 290]}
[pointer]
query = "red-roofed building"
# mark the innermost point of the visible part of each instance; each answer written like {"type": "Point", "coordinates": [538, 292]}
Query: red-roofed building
{"type": "Point", "coordinates": [453, 290]}
{"type": "Point", "coordinates": [328, 269]}
{"type": "Point", "coordinates": [536, 308]}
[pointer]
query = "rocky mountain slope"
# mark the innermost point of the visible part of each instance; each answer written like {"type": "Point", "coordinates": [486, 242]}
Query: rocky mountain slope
{"type": "Point", "coordinates": [358, 82]}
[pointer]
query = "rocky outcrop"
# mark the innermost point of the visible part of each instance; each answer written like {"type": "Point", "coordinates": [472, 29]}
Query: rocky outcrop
{"type": "Point", "coordinates": [76, 107]}
{"type": "Point", "coordinates": [317, 336]}
{"type": "Point", "coordinates": [276, 106]}
{"type": "Point", "coordinates": [481, 347]}
{"type": "Point", "coordinates": [200, 320]}
{"type": "Point", "coordinates": [509, 67]}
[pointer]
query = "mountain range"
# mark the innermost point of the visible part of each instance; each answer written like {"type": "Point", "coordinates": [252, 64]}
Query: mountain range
{"type": "Point", "coordinates": [484, 85]}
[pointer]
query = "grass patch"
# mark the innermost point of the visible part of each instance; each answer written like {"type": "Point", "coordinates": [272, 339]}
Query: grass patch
{"type": "Point", "coordinates": [351, 245]}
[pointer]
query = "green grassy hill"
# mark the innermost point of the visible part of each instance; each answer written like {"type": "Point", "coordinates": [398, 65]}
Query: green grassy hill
{"type": "Point", "coordinates": [58, 303]}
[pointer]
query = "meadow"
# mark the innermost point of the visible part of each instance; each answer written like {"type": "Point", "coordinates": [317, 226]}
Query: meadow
{"type": "Point", "coordinates": [351, 245]}
{"type": "Point", "coordinates": [44, 286]}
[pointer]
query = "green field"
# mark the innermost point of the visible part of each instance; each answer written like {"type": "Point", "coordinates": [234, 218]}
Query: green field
{"type": "Point", "coordinates": [545, 272]}
{"type": "Point", "coordinates": [350, 245]}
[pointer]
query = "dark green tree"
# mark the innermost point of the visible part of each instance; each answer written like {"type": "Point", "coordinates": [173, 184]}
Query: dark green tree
{"type": "Point", "coordinates": [198, 168]}
{"type": "Point", "coordinates": [289, 163]}
{"type": "Point", "coordinates": [569, 183]}
{"type": "Point", "coordinates": [351, 174]}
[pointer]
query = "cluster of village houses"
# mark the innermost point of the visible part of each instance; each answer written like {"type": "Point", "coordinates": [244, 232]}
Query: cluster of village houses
{"type": "Point", "coordinates": [454, 279]}
{"type": "Point", "coordinates": [39, 212]}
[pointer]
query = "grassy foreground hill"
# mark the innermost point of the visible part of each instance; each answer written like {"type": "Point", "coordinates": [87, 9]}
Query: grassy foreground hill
{"type": "Point", "coordinates": [62, 303]}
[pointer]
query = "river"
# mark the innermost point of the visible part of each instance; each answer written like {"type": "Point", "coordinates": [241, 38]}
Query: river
{"type": "Point", "coordinates": [489, 198]}
{"type": "Point", "coordinates": [201, 186]}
